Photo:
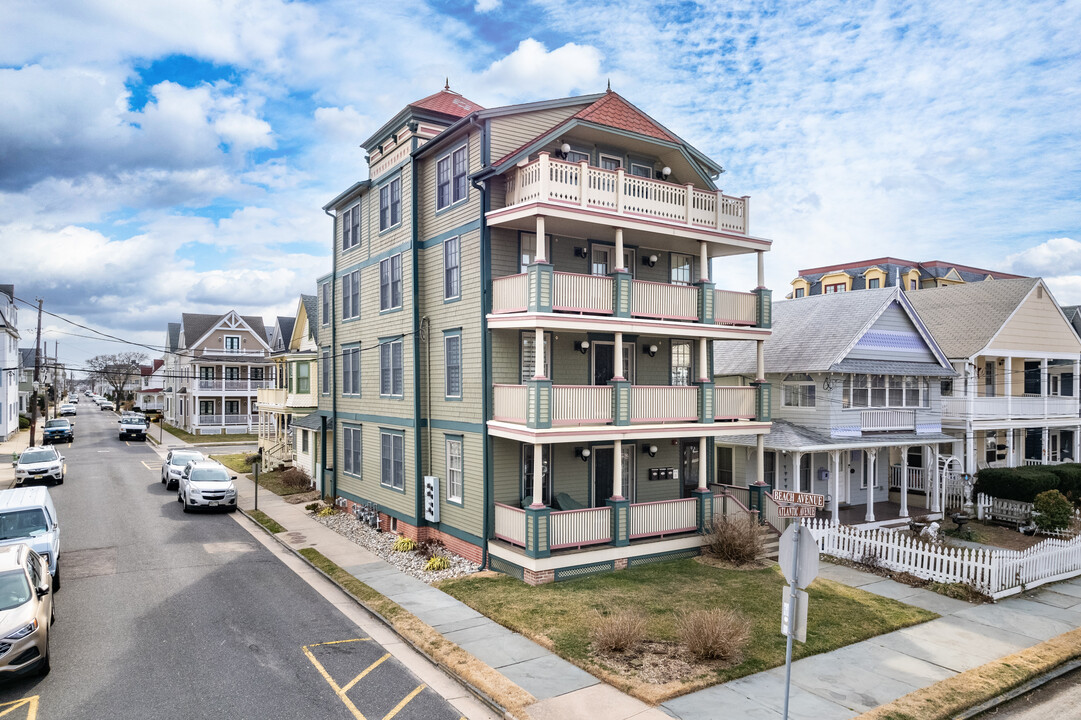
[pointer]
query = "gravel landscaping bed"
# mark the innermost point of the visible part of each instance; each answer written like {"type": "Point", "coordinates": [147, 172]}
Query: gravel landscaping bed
{"type": "Point", "coordinates": [382, 544]}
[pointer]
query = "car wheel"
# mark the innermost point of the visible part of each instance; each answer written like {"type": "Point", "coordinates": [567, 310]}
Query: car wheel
{"type": "Point", "coordinates": [163, 482]}
{"type": "Point", "coordinates": [56, 577]}
{"type": "Point", "coordinates": [46, 662]}
{"type": "Point", "coordinates": [187, 508]}
{"type": "Point", "coordinates": [61, 480]}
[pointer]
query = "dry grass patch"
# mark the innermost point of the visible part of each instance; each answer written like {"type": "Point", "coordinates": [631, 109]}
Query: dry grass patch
{"type": "Point", "coordinates": [737, 540]}
{"type": "Point", "coordinates": [266, 521]}
{"type": "Point", "coordinates": [492, 683]}
{"type": "Point", "coordinates": [947, 698]}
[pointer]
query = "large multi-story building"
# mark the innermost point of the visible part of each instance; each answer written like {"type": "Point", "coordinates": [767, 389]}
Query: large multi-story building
{"type": "Point", "coordinates": [9, 363]}
{"type": "Point", "coordinates": [888, 272]}
{"type": "Point", "coordinates": [514, 338]}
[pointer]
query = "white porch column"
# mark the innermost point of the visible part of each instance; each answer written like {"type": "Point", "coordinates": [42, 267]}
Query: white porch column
{"type": "Point", "coordinates": [1077, 442]}
{"type": "Point", "coordinates": [1007, 386]}
{"type": "Point", "coordinates": [796, 457]}
{"type": "Point", "coordinates": [538, 354]}
{"type": "Point", "coordinates": [760, 360]}
{"type": "Point", "coordinates": [940, 482]}
{"type": "Point", "coordinates": [904, 481]}
{"type": "Point", "coordinates": [1076, 386]}
{"type": "Point", "coordinates": [542, 250]}
{"type": "Point", "coordinates": [538, 476]}
{"type": "Point", "coordinates": [1045, 442]}
{"type": "Point", "coordinates": [835, 470]}
{"type": "Point", "coordinates": [1044, 387]}
{"type": "Point", "coordinates": [872, 468]}
{"type": "Point", "coordinates": [617, 470]}
{"type": "Point", "coordinates": [617, 352]}
{"type": "Point", "coordinates": [970, 450]}
{"type": "Point", "coordinates": [703, 261]}
{"type": "Point", "coordinates": [1011, 457]}
{"type": "Point", "coordinates": [619, 249]}
{"type": "Point", "coordinates": [703, 360]}
{"type": "Point", "coordinates": [761, 269]}
{"type": "Point", "coordinates": [703, 475]}
{"type": "Point", "coordinates": [760, 455]}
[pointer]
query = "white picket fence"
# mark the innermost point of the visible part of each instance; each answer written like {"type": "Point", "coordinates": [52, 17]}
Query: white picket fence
{"type": "Point", "coordinates": [995, 572]}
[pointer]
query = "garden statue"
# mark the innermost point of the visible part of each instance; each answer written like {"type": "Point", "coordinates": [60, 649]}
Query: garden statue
{"type": "Point", "coordinates": [930, 533]}
{"type": "Point", "coordinates": [968, 506]}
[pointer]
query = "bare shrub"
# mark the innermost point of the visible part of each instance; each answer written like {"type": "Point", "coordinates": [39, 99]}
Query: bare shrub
{"type": "Point", "coordinates": [737, 540]}
{"type": "Point", "coordinates": [253, 458]}
{"type": "Point", "coordinates": [430, 548]}
{"type": "Point", "coordinates": [718, 633]}
{"type": "Point", "coordinates": [618, 631]}
{"type": "Point", "coordinates": [294, 477]}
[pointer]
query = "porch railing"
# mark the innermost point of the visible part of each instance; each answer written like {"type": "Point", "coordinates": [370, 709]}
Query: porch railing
{"type": "Point", "coordinates": [735, 308]}
{"type": "Point", "coordinates": [209, 384]}
{"type": "Point", "coordinates": [741, 494]}
{"type": "Point", "coordinates": [237, 419]}
{"type": "Point", "coordinates": [578, 528]}
{"type": "Point", "coordinates": [1009, 407]}
{"type": "Point", "coordinates": [510, 524]}
{"type": "Point", "coordinates": [509, 403]}
{"type": "Point", "coordinates": [734, 402]}
{"type": "Point", "coordinates": [581, 404]}
{"type": "Point", "coordinates": [209, 419]}
{"type": "Point", "coordinates": [771, 515]}
{"type": "Point", "coordinates": [663, 517]}
{"type": "Point", "coordinates": [917, 478]}
{"type": "Point", "coordinates": [579, 293]}
{"type": "Point", "coordinates": [664, 403]}
{"type": "Point", "coordinates": [887, 420]}
{"type": "Point", "coordinates": [664, 300]}
{"type": "Point", "coordinates": [510, 293]}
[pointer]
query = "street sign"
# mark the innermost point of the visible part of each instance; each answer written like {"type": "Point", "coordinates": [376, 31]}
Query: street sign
{"type": "Point", "coordinates": [799, 498]}
{"type": "Point", "coordinates": [796, 511]}
{"type": "Point", "coordinates": [808, 555]}
{"type": "Point", "coordinates": [801, 613]}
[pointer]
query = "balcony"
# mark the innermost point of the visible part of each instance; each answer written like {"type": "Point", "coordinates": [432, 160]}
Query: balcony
{"type": "Point", "coordinates": [615, 192]}
{"type": "Point", "coordinates": [544, 290]}
{"type": "Point", "coordinates": [888, 420]}
{"type": "Point", "coordinates": [272, 397]}
{"type": "Point", "coordinates": [1010, 407]}
{"type": "Point", "coordinates": [231, 385]}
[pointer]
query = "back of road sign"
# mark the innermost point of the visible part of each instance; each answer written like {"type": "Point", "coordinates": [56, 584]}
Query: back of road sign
{"type": "Point", "coordinates": [808, 555]}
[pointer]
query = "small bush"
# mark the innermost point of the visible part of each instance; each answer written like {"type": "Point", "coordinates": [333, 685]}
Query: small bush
{"type": "Point", "coordinates": [252, 459]}
{"type": "Point", "coordinates": [437, 563]}
{"type": "Point", "coordinates": [404, 544]}
{"type": "Point", "coordinates": [619, 631]}
{"type": "Point", "coordinates": [735, 540]}
{"type": "Point", "coordinates": [312, 507]}
{"type": "Point", "coordinates": [713, 634]}
{"type": "Point", "coordinates": [327, 511]}
{"type": "Point", "coordinates": [1020, 483]}
{"type": "Point", "coordinates": [24, 422]}
{"type": "Point", "coordinates": [294, 477]}
{"type": "Point", "coordinates": [430, 547]}
{"type": "Point", "coordinates": [1052, 511]}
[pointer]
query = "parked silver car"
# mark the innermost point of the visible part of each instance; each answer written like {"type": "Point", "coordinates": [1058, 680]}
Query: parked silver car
{"type": "Point", "coordinates": [40, 463]}
{"type": "Point", "coordinates": [26, 612]}
{"type": "Point", "coordinates": [173, 467]}
{"type": "Point", "coordinates": [208, 484]}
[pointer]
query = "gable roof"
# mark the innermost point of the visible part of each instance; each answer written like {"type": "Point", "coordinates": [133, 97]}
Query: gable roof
{"type": "Point", "coordinates": [816, 333]}
{"type": "Point", "coordinates": [27, 357]}
{"type": "Point", "coordinates": [283, 329]}
{"type": "Point", "coordinates": [447, 102]}
{"type": "Point", "coordinates": [197, 325]}
{"type": "Point", "coordinates": [311, 309]}
{"type": "Point", "coordinates": [613, 111]}
{"type": "Point", "coordinates": [964, 318]}
{"type": "Point", "coordinates": [172, 333]}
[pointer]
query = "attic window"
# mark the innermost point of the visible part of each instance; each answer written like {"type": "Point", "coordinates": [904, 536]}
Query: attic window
{"type": "Point", "coordinates": [798, 391]}
{"type": "Point", "coordinates": [1039, 292]}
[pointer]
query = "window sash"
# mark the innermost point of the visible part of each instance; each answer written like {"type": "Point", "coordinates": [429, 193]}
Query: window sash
{"type": "Point", "coordinates": [442, 183]}
{"type": "Point", "coordinates": [352, 441]}
{"type": "Point", "coordinates": [392, 461]}
{"type": "Point", "coordinates": [681, 269]}
{"type": "Point", "coordinates": [461, 173]}
{"type": "Point", "coordinates": [451, 269]}
{"type": "Point", "coordinates": [454, 470]}
{"type": "Point", "coordinates": [326, 303]}
{"type": "Point", "coordinates": [390, 204]}
{"type": "Point", "coordinates": [390, 368]}
{"type": "Point", "coordinates": [681, 362]}
{"type": "Point", "coordinates": [390, 283]}
{"type": "Point", "coordinates": [351, 227]}
{"type": "Point", "coordinates": [452, 345]}
{"type": "Point", "coordinates": [326, 372]}
{"type": "Point", "coordinates": [303, 378]}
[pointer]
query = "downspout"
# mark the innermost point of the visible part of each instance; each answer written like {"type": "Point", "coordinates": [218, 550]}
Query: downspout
{"type": "Point", "coordinates": [418, 481]}
{"type": "Point", "coordinates": [333, 363]}
{"type": "Point", "coordinates": [426, 333]}
{"type": "Point", "coordinates": [486, 359]}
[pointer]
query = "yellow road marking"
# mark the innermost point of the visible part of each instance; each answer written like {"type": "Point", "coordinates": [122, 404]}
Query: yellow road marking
{"type": "Point", "coordinates": [31, 704]}
{"type": "Point", "coordinates": [148, 467]}
{"type": "Point", "coordinates": [349, 686]}
{"type": "Point", "coordinates": [405, 701]}
{"type": "Point", "coordinates": [333, 685]}
{"type": "Point", "coordinates": [339, 642]}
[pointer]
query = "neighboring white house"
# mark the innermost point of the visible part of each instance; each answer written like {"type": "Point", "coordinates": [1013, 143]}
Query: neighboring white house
{"type": "Point", "coordinates": [855, 405]}
{"type": "Point", "coordinates": [9, 363]}
{"type": "Point", "coordinates": [150, 396]}
{"type": "Point", "coordinates": [1015, 400]}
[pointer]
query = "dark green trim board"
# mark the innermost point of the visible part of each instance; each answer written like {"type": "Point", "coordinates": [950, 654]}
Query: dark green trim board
{"type": "Point", "coordinates": [455, 425]}
{"type": "Point", "coordinates": [486, 354]}
{"type": "Point", "coordinates": [376, 259]}
{"type": "Point", "coordinates": [418, 475]}
{"type": "Point", "coordinates": [404, 422]}
{"type": "Point", "coordinates": [448, 234]}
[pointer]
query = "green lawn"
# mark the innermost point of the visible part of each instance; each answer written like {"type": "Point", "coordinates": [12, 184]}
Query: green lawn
{"type": "Point", "coordinates": [270, 480]}
{"type": "Point", "coordinates": [266, 521]}
{"type": "Point", "coordinates": [559, 615]}
{"type": "Point", "coordinates": [206, 439]}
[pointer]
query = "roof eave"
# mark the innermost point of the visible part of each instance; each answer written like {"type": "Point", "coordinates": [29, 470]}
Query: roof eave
{"type": "Point", "coordinates": [356, 187]}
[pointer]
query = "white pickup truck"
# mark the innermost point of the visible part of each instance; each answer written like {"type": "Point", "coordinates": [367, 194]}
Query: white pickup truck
{"type": "Point", "coordinates": [133, 425]}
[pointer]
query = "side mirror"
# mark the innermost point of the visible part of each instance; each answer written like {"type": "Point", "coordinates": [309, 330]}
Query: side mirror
{"type": "Point", "coordinates": [232, 477]}
{"type": "Point", "coordinates": [42, 591]}
{"type": "Point", "coordinates": [61, 458]}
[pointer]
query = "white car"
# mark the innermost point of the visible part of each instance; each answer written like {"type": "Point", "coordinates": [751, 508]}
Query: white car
{"type": "Point", "coordinates": [68, 409]}
{"type": "Point", "coordinates": [28, 515]}
{"type": "Point", "coordinates": [207, 484]}
{"type": "Point", "coordinates": [173, 467]}
{"type": "Point", "coordinates": [39, 463]}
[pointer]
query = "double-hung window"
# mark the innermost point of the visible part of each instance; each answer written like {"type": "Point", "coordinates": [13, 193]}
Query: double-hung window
{"type": "Point", "coordinates": [303, 378]}
{"type": "Point", "coordinates": [681, 362]}
{"type": "Point", "coordinates": [454, 469]}
{"type": "Point", "coordinates": [452, 274]}
{"type": "Point", "coordinates": [452, 178]}
{"type": "Point", "coordinates": [798, 390]}
{"type": "Point", "coordinates": [352, 440]}
{"type": "Point", "coordinates": [351, 227]}
{"type": "Point", "coordinates": [390, 204]}
{"type": "Point", "coordinates": [390, 368]}
{"type": "Point", "coordinates": [232, 343]}
{"type": "Point", "coordinates": [325, 292]}
{"type": "Point", "coordinates": [452, 349]}
{"type": "Point", "coordinates": [392, 452]}
{"type": "Point", "coordinates": [681, 269]}
{"type": "Point", "coordinates": [326, 371]}
{"type": "Point", "coordinates": [351, 371]}
{"type": "Point", "coordinates": [390, 283]}
{"type": "Point", "coordinates": [351, 295]}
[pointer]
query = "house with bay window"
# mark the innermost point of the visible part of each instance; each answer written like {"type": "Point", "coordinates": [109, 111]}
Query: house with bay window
{"type": "Point", "coordinates": [1017, 357]}
{"type": "Point", "coordinates": [856, 412]}
{"type": "Point", "coordinates": [515, 335]}
{"type": "Point", "coordinates": [221, 362]}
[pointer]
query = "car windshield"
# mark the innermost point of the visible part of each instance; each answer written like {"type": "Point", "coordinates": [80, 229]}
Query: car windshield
{"type": "Point", "coordinates": [57, 423]}
{"type": "Point", "coordinates": [22, 523]}
{"type": "Point", "coordinates": [209, 475]}
{"type": "Point", "coordinates": [14, 589]}
{"type": "Point", "coordinates": [37, 456]}
{"type": "Point", "coordinates": [185, 458]}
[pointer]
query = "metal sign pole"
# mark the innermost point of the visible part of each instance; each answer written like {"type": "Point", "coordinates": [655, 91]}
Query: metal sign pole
{"type": "Point", "coordinates": [256, 466]}
{"type": "Point", "coordinates": [791, 623]}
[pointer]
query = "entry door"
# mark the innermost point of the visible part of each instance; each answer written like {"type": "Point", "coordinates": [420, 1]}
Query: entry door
{"type": "Point", "coordinates": [602, 475]}
{"type": "Point", "coordinates": [843, 481]}
{"type": "Point", "coordinates": [688, 466]}
{"type": "Point", "coordinates": [1033, 444]}
{"type": "Point", "coordinates": [604, 363]}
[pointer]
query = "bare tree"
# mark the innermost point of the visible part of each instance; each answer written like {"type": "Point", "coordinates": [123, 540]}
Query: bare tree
{"type": "Point", "coordinates": [117, 371]}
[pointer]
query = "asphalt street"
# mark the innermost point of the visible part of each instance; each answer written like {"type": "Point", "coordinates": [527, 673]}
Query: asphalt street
{"type": "Point", "coordinates": [164, 614]}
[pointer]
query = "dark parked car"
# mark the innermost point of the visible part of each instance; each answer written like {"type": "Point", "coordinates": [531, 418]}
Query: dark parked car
{"type": "Point", "coordinates": [58, 430]}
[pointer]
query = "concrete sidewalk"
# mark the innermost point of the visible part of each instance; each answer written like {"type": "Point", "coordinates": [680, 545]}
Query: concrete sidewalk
{"type": "Point", "coordinates": [834, 685]}
{"type": "Point", "coordinates": [15, 444]}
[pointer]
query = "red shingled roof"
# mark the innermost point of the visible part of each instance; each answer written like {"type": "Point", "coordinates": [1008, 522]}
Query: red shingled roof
{"type": "Point", "coordinates": [613, 111]}
{"type": "Point", "coordinates": [447, 102]}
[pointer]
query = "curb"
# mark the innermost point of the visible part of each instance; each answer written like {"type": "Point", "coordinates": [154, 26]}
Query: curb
{"type": "Point", "coordinates": [1021, 689]}
{"type": "Point", "coordinates": [477, 692]}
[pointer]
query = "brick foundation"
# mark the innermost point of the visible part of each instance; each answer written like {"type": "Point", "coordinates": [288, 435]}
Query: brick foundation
{"type": "Point", "coordinates": [535, 577]}
{"type": "Point", "coordinates": [453, 544]}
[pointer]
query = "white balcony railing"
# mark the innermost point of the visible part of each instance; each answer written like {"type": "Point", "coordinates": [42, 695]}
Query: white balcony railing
{"type": "Point", "coordinates": [575, 292]}
{"type": "Point", "coordinates": [734, 402]}
{"type": "Point", "coordinates": [209, 384]}
{"type": "Point", "coordinates": [887, 420]}
{"type": "Point", "coordinates": [735, 308]}
{"type": "Point", "coordinates": [209, 420]}
{"type": "Point", "coordinates": [549, 180]}
{"type": "Point", "coordinates": [275, 397]}
{"type": "Point", "coordinates": [664, 403]}
{"type": "Point", "coordinates": [917, 478]}
{"type": "Point", "coordinates": [510, 524]}
{"type": "Point", "coordinates": [1016, 407]}
{"type": "Point", "coordinates": [577, 528]}
{"type": "Point", "coordinates": [509, 403]}
{"type": "Point", "coordinates": [664, 300]}
{"type": "Point", "coordinates": [510, 293]}
{"type": "Point", "coordinates": [232, 385]}
{"type": "Point", "coordinates": [665, 517]}
{"type": "Point", "coordinates": [581, 404]}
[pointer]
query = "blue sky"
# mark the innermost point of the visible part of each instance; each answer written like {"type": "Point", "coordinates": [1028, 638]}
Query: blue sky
{"type": "Point", "coordinates": [160, 157]}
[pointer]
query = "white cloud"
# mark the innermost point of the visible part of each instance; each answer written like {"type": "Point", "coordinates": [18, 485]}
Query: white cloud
{"type": "Point", "coordinates": [484, 6]}
{"type": "Point", "coordinates": [533, 72]}
{"type": "Point", "coordinates": [1057, 256]}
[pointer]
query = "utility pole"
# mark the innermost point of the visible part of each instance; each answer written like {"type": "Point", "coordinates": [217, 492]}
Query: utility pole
{"type": "Point", "coordinates": [37, 377]}
{"type": "Point", "coordinates": [56, 376]}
